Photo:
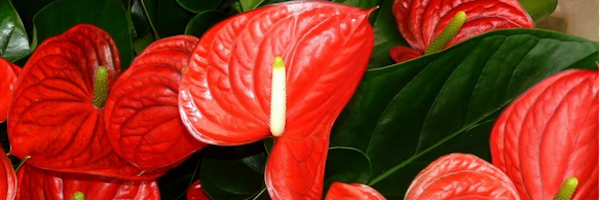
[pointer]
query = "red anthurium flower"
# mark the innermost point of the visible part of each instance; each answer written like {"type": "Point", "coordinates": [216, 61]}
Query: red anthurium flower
{"type": "Point", "coordinates": [56, 114]}
{"type": "Point", "coordinates": [549, 134]}
{"type": "Point", "coordinates": [422, 22]}
{"type": "Point", "coordinates": [8, 179]}
{"type": "Point", "coordinates": [143, 119]}
{"type": "Point", "coordinates": [35, 183]}
{"type": "Point", "coordinates": [461, 176]}
{"type": "Point", "coordinates": [314, 53]}
{"type": "Point", "coordinates": [8, 78]}
{"type": "Point", "coordinates": [195, 192]}
{"type": "Point", "coordinates": [343, 191]}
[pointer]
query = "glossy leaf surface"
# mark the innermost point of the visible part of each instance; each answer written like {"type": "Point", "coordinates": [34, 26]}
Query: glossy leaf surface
{"type": "Point", "coordinates": [338, 170]}
{"type": "Point", "coordinates": [387, 36]}
{"type": "Point", "coordinates": [167, 17]}
{"type": "Point", "coordinates": [199, 6]}
{"type": "Point", "coordinates": [421, 21]}
{"type": "Point", "coordinates": [143, 120]}
{"type": "Point", "coordinates": [549, 134]}
{"type": "Point", "coordinates": [406, 115]}
{"type": "Point", "coordinates": [461, 176]}
{"type": "Point", "coordinates": [195, 192]}
{"type": "Point", "coordinates": [52, 118]}
{"type": "Point", "coordinates": [343, 191]}
{"type": "Point", "coordinates": [225, 94]}
{"type": "Point", "coordinates": [35, 183]}
{"type": "Point", "coordinates": [108, 15]}
{"type": "Point", "coordinates": [14, 43]}
{"type": "Point", "coordinates": [9, 73]}
{"type": "Point", "coordinates": [203, 21]}
{"type": "Point", "coordinates": [8, 179]}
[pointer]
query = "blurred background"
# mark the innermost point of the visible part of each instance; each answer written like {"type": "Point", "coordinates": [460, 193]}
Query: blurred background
{"type": "Point", "coordinates": [577, 17]}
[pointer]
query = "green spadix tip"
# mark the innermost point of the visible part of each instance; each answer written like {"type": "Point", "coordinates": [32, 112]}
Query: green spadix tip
{"type": "Point", "coordinates": [100, 87]}
{"type": "Point", "coordinates": [78, 196]}
{"type": "Point", "coordinates": [278, 98]}
{"type": "Point", "coordinates": [448, 33]}
{"type": "Point", "coordinates": [567, 189]}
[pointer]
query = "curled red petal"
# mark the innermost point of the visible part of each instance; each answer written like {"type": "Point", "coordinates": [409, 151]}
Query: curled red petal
{"type": "Point", "coordinates": [8, 179]}
{"type": "Point", "coordinates": [8, 79]}
{"type": "Point", "coordinates": [52, 118]}
{"type": "Point", "coordinates": [144, 125]}
{"type": "Point", "coordinates": [225, 93]}
{"type": "Point", "coordinates": [459, 175]}
{"type": "Point", "coordinates": [420, 21]}
{"type": "Point", "coordinates": [550, 133]}
{"type": "Point", "coordinates": [35, 183]}
{"type": "Point", "coordinates": [403, 53]}
{"type": "Point", "coordinates": [195, 192]}
{"type": "Point", "coordinates": [343, 191]}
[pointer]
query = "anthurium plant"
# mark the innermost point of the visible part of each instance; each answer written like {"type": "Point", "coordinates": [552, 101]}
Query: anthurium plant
{"type": "Point", "coordinates": [278, 99]}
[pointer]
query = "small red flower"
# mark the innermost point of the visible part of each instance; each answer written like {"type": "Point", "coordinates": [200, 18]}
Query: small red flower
{"type": "Point", "coordinates": [421, 22]}
{"type": "Point", "coordinates": [319, 51]}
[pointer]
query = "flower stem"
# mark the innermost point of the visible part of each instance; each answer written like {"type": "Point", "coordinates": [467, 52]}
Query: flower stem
{"type": "Point", "coordinates": [567, 189]}
{"type": "Point", "coordinates": [278, 97]}
{"type": "Point", "coordinates": [448, 33]}
{"type": "Point", "coordinates": [100, 87]}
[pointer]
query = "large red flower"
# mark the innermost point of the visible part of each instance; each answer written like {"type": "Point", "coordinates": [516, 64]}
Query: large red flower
{"type": "Point", "coordinates": [52, 116]}
{"type": "Point", "coordinates": [225, 96]}
{"type": "Point", "coordinates": [550, 133]}
{"type": "Point", "coordinates": [421, 21]}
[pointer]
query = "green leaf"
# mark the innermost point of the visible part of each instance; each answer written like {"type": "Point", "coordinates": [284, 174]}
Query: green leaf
{"type": "Point", "coordinates": [233, 172]}
{"type": "Point", "coordinates": [406, 115]}
{"type": "Point", "coordinates": [361, 3]}
{"type": "Point", "coordinates": [248, 5]}
{"type": "Point", "coordinates": [199, 6]}
{"type": "Point", "coordinates": [539, 9]}
{"type": "Point", "coordinates": [167, 17]}
{"type": "Point", "coordinates": [27, 10]}
{"type": "Point", "coordinates": [203, 21]}
{"type": "Point", "coordinates": [108, 15]}
{"type": "Point", "coordinates": [387, 35]}
{"type": "Point", "coordinates": [174, 184]}
{"type": "Point", "coordinates": [141, 24]}
{"type": "Point", "coordinates": [14, 43]}
{"type": "Point", "coordinates": [338, 169]}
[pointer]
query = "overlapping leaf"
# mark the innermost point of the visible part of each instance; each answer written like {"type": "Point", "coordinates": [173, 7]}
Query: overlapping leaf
{"type": "Point", "coordinates": [404, 116]}
{"type": "Point", "coordinates": [143, 120]}
{"type": "Point", "coordinates": [37, 183]}
{"type": "Point", "coordinates": [14, 43]}
{"type": "Point", "coordinates": [52, 118]}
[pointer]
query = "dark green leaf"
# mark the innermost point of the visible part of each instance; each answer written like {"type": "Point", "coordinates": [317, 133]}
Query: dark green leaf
{"type": "Point", "coordinates": [406, 115]}
{"type": "Point", "coordinates": [141, 43]}
{"type": "Point", "coordinates": [203, 21]}
{"type": "Point", "coordinates": [14, 43]}
{"type": "Point", "coordinates": [338, 169]}
{"type": "Point", "coordinates": [386, 36]}
{"type": "Point", "coordinates": [174, 184]}
{"type": "Point", "coordinates": [361, 3]}
{"type": "Point", "coordinates": [27, 9]}
{"type": "Point", "coordinates": [233, 172]}
{"type": "Point", "coordinates": [108, 15]}
{"type": "Point", "coordinates": [248, 5]}
{"type": "Point", "coordinates": [539, 9]}
{"type": "Point", "coordinates": [198, 6]}
{"type": "Point", "coordinates": [167, 17]}
{"type": "Point", "coordinates": [141, 25]}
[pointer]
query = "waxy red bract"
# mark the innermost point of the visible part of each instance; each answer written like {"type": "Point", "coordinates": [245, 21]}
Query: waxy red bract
{"type": "Point", "coordinates": [51, 116]}
{"type": "Point", "coordinates": [195, 192]}
{"type": "Point", "coordinates": [142, 116]}
{"type": "Point", "coordinates": [460, 176]}
{"type": "Point", "coordinates": [35, 183]}
{"type": "Point", "coordinates": [8, 79]}
{"type": "Point", "coordinates": [550, 133]}
{"type": "Point", "coordinates": [420, 21]}
{"type": "Point", "coordinates": [8, 179]}
{"type": "Point", "coordinates": [226, 91]}
{"type": "Point", "coordinates": [354, 191]}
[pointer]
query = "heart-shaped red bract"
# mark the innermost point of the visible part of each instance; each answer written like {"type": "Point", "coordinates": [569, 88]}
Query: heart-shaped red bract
{"type": "Point", "coordinates": [51, 116]}
{"type": "Point", "coordinates": [354, 191]}
{"type": "Point", "coordinates": [421, 21]}
{"type": "Point", "coordinates": [35, 183]}
{"type": "Point", "coordinates": [225, 94]}
{"type": "Point", "coordinates": [8, 179]}
{"type": "Point", "coordinates": [8, 79]}
{"type": "Point", "coordinates": [143, 119]}
{"type": "Point", "coordinates": [550, 133]}
{"type": "Point", "coordinates": [461, 176]}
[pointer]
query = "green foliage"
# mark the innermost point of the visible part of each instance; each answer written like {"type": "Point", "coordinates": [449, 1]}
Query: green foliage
{"type": "Point", "coordinates": [14, 43]}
